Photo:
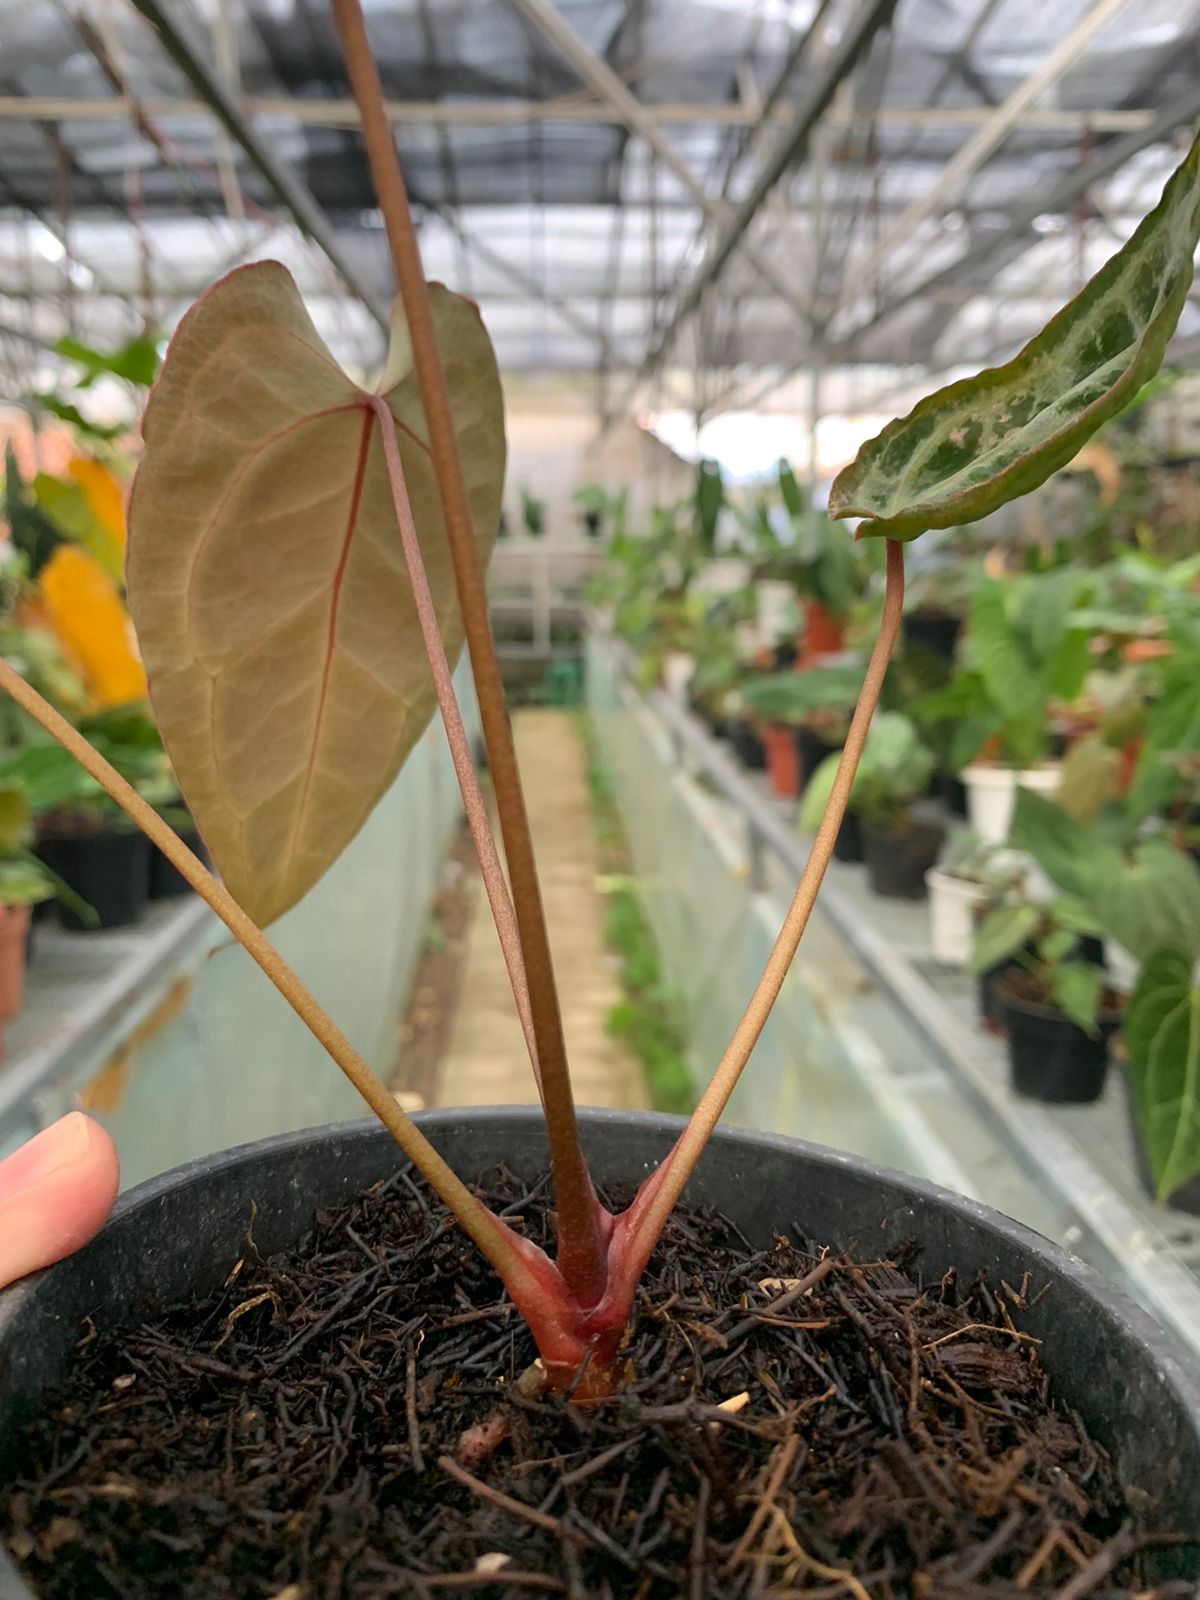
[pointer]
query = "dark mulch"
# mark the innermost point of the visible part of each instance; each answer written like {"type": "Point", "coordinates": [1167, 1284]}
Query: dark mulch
{"type": "Point", "coordinates": [797, 1425]}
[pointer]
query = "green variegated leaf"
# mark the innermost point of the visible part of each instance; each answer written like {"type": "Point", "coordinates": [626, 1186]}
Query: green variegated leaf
{"type": "Point", "coordinates": [971, 447]}
{"type": "Point", "coordinates": [266, 578]}
{"type": "Point", "coordinates": [1162, 1035]}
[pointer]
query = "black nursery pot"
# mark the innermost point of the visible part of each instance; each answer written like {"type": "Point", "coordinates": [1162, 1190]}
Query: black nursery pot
{"type": "Point", "coordinates": [811, 750]}
{"type": "Point", "coordinates": [848, 846]}
{"type": "Point", "coordinates": [1051, 1057]}
{"type": "Point", "coordinates": [108, 868]}
{"type": "Point", "coordinates": [934, 631]}
{"type": "Point", "coordinates": [180, 1234]}
{"type": "Point", "coordinates": [898, 861]}
{"type": "Point", "coordinates": [748, 745]}
{"type": "Point", "coordinates": [166, 880]}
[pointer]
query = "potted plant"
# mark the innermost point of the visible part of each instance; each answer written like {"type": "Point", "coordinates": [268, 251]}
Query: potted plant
{"type": "Point", "coordinates": [24, 883]}
{"type": "Point", "coordinates": [571, 1274]}
{"type": "Point", "coordinates": [938, 596]}
{"type": "Point", "coordinates": [1057, 1009]}
{"type": "Point", "coordinates": [898, 846]}
{"type": "Point", "coordinates": [1023, 654]}
{"type": "Point", "coordinates": [593, 504]}
{"type": "Point", "coordinates": [801, 714]}
{"type": "Point", "coordinates": [969, 873]}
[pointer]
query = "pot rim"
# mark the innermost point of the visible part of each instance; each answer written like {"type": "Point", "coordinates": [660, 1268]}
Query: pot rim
{"type": "Point", "coordinates": [1000, 775]}
{"type": "Point", "coordinates": [967, 888]}
{"type": "Point", "coordinates": [1036, 1008]}
{"type": "Point", "coordinates": [1166, 1353]}
{"type": "Point", "coordinates": [1158, 1355]}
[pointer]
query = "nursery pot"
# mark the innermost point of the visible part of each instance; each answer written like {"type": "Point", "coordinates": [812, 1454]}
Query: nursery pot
{"type": "Point", "coordinates": [952, 792]}
{"type": "Point", "coordinates": [824, 634]}
{"type": "Point", "coordinates": [897, 860]}
{"type": "Point", "coordinates": [934, 631]}
{"type": "Point", "coordinates": [15, 923]}
{"type": "Point", "coordinates": [182, 1233]}
{"type": "Point", "coordinates": [848, 846]}
{"type": "Point", "coordinates": [748, 746]}
{"type": "Point", "coordinates": [992, 794]}
{"type": "Point", "coordinates": [783, 761]}
{"type": "Point", "coordinates": [951, 924]}
{"type": "Point", "coordinates": [811, 750]}
{"type": "Point", "coordinates": [166, 880]}
{"type": "Point", "coordinates": [1052, 1058]}
{"type": "Point", "coordinates": [108, 868]}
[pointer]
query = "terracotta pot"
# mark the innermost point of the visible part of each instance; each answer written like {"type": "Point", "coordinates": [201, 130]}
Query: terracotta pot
{"type": "Point", "coordinates": [824, 635]}
{"type": "Point", "coordinates": [783, 760]}
{"type": "Point", "coordinates": [14, 928]}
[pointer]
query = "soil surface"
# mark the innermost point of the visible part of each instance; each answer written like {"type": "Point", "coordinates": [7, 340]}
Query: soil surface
{"type": "Point", "coordinates": [796, 1425]}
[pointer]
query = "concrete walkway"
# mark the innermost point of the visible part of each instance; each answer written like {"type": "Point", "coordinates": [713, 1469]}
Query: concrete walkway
{"type": "Point", "coordinates": [485, 1062]}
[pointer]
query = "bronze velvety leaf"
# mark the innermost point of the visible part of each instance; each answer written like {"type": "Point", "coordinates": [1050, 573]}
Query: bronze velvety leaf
{"type": "Point", "coordinates": [266, 579]}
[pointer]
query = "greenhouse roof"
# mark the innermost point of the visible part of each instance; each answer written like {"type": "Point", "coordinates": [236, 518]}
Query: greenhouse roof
{"type": "Point", "coordinates": [696, 194]}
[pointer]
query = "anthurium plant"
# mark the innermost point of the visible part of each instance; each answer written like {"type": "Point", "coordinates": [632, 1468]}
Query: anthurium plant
{"type": "Point", "coordinates": [305, 558]}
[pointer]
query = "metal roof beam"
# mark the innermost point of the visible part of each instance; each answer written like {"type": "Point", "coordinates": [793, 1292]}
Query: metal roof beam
{"type": "Point", "coordinates": [990, 254]}
{"type": "Point", "coordinates": [177, 38]}
{"type": "Point", "coordinates": [601, 78]}
{"type": "Point", "coordinates": [338, 113]}
{"type": "Point", "coordinates": [855, 41]}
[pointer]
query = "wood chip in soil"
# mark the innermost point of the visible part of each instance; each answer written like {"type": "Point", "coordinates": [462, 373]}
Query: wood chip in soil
{"type": "Point", "coordinates": [798, 1424]}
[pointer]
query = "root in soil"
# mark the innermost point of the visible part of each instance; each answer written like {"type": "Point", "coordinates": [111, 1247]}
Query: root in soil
{"type": "Point", "coordinates": [797, 1424]}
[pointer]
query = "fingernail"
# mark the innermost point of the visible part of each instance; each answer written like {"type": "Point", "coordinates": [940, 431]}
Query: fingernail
{"type": "Point", "coordinates": [57, 1148]}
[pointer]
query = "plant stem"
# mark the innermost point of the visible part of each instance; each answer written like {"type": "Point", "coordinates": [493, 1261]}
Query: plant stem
{"type": "Point", "coordinates": [456, 735]}
{"type": "Point", "coordinates": [506, 1252]}
{"type": "Point", "coordinates": [581, 1245]}
{"type": "Point", "coordinates": [644, 1221]}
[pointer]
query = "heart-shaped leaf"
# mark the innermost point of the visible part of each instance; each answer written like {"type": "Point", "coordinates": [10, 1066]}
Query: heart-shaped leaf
{"type": "Point", "coordinates": [971, 447]}
{"type": "Point", "coordinates": [266, 578]}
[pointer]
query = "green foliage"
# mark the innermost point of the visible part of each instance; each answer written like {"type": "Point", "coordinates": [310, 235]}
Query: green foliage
{"type": "Point", "coordinates": [136, 362]}
{"type": "Point", "coordinates": [649, 1018]}
{"type": "Point", "coordinates": [1045, 939]}
{"type": "Point", "coordinates": [1162, 1036]}
{"type": "Point", "coordinates": [533, 514]}
{"type": "Point", "coordinates": [791, 696]}
{"type": "Point", "coordinates": [973, 446]}
{"type": "Point", "coordinates": [34, 535]}
{"type": "Point", "coordinates": [69, 413]}
{"type": "Point", "coordinates": [710, 498]}
{"type": "Point", "coordinates": [894, 770]}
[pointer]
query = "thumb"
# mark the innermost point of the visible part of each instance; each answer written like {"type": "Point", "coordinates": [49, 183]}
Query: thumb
{"type": "Point", "coordinates": [55, 1193]}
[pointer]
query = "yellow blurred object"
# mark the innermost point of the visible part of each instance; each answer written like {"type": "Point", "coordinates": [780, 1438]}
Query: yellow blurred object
{"type": "Point", "coordinates": [86, 613]}
{"type": "Point", "coordinates": [103, 494]}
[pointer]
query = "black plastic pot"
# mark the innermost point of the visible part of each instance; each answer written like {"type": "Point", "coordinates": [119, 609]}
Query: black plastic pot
{"type": "Point", "coordinates": [749, 746]}
{"type": "Point", "coordinates": [1052, 1058]}
{"type": "Point", "coordinates": [108, 869]}
{"type": "Point", "coordinates": [934, 631]}
{"type": "Point", "coordinates": [898, 861]}
{"type": "Point", "coordinates": [952, 792]}
{"type": "Point", "coordinates": [783, 656]}
{"type": "Point", "coordinates": [811, 750]}
{"type": "Point", "coordinates": [848, 846]}
{"type": "Point", "coordinates": [181, 1233]}
{"type": "Point", "coordinates": [166, 880]}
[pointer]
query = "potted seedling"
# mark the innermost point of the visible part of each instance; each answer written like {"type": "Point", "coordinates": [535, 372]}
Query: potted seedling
{"type": "Point", "coordinates": [1056, 1007]}
{"type": "Point", "coordinates": [24, 883]}
{"type": "Point", "coordinates": [898, 846]}
{"type": "Point", "coordinates": [1023, 654]}
{"type": "Point", "coordinates": [968, 874]}
{"type": "Point", "coordinates": [938, 596]}
{"type": "Point", "coordinates": [593, 505]}
{"type": "Point", "coordinates": [802, 716]}
{"type": "Point", "coordinates": [335, 1416]}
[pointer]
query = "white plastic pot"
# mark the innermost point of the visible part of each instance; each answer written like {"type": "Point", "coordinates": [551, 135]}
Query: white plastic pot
{"type": "Point", "coordinates": [992, 794]}
{"type": "Point", "coordinates": [775, 609]}
{"type": "Point", "coordinates": [1122, 967]}
{"type": "Point", "coordinates": [951, 930]}
{"type": "Point", "coordinates": [677, 669]}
